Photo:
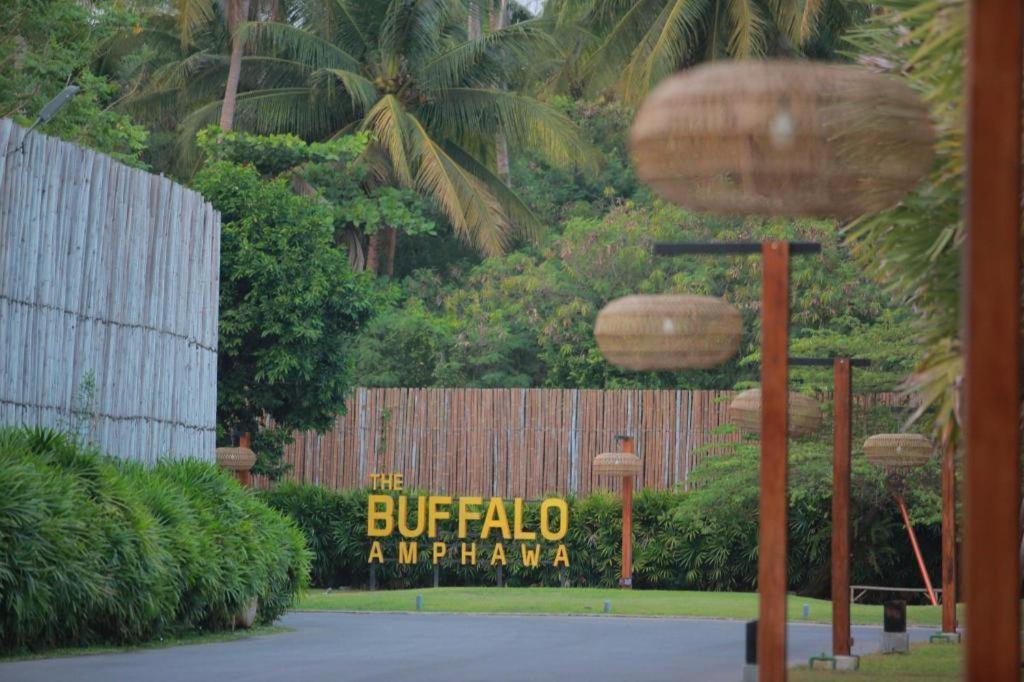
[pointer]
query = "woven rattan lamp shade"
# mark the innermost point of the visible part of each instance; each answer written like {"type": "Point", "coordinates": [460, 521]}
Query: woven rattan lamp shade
{"type": "Point", "coordinates": [236, 459]}
{"type": "Point", "coordinates": [668, 332]}
{"type": "Point", "coordinates": [617, 464]}
{"type": "Point", "coordinates": [782, 138]}
{"type": "Point", "coordinates": [804, 412]}
{"type": "Point", "coordinates": [898, 450]}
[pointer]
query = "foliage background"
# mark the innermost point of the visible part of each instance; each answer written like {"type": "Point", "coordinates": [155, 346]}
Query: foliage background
{"type": "Point", "coordinates": [703, 539]}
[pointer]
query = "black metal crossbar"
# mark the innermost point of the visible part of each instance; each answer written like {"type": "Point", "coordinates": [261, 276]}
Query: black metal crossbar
{"type": "Point", "coordinates": [826, 362]}
{"type": "Point", "coordinates": [726, 248]}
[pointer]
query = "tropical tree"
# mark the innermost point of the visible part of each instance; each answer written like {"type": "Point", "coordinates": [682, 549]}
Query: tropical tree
{"type": "Point", "coordinates": [195, 15]}
{"type": "Point", "coordinates": [914, 247]}
{"type": "Point", "coordinates": [629, 45]}
{"type": "Point", "coordinates": [407, 73]}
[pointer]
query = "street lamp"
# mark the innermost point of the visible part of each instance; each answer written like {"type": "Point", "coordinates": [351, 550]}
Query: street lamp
{"type": "Point", "coordinates": [627, 465]}
{"type": "Point", "coordinates": [897, 453]}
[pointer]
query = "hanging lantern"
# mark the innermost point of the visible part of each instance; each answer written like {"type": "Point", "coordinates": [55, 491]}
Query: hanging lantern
{"type": "Point", "coordinates": [804, 412]}
{"type": "Point", "coordinates": [668, 332]}
{"type": "Point", "coordinates": [617, 464]}
{"type": "Point", "coordinates": [898, 450]}
{"type": "Point", "coordinates": [235, 459]}
{"type": "Point", "coordinates": [782, 138]}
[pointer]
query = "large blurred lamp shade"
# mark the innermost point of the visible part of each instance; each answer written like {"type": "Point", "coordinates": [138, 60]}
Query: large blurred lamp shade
{"type": "Point", "coordinates": [668, 332]}
{"type": "Point", "coordinates": [617, 464]}
{"type": "Point", "coordinates": [782, 138]}
{"type": "Point", "coordinates": [898, 450]}
{"type": "Point", "coordinates": [804, 412]}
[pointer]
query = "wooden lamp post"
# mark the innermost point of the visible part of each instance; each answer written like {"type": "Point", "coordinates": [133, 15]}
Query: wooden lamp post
{"type": "Point", "coordinates": [991, 340]}
{"type": "Point", "coordinates": [898, 452]}
{"type": "Point", "coordinates": [805, 418]}
{"type": "Point", "coordinates": [627, 465]}
{"type": "Point", "coordinates": [796, 139]}
{"type": "Point", "coordinates": [949, 594]}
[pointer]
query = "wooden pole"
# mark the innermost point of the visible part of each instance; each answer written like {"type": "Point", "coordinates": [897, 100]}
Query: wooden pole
{"type": "Point", "coordinates": [244, 476]}
{"type": "Point", "coordinates": [772, 536]}
{"type": "Point", "coordinates": [626, 581]}
{"type": "Point", "coordinates": [842, 423]}
{"type": "Point", "coordinates": [949, 533]}
{"type": "Point", "coordinates": [991, 313]}
{"type": "Point", "coordinates": [917, 548]}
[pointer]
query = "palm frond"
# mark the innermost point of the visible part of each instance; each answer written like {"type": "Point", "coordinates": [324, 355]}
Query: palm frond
{"type": "Point", "coordinates": [747, 38]}
{"type": "Point", "coordinates": [809, 18]}
{"type": "Point", "coordinates": [475, 213]}
{"type": "Point", "coordinates": [350, 28]}
{"type": "Point", "coordinates": [283, 40]}
{"type": "Point", "coordinates": [389, 124]}
{"type": "Point", "coordinates": [362, 92]}
{"type": "Point", "coordinates": [525, 221]}
{"type": "Point", "coordinates": [604, 66]}
{"type": "Point", "coordinates": [673, 38]}
{"type": "Point", "coordinates": [453, 66]}
{"type": "Point", "coordinates": [524, 120]}
{"type": "Point", "coordinates": [267, 112]}
{"type": "Point", "coordinates": [786, 17]}
{"type": "Point", "coordinates": [191, 15]}
{"type": "Point", "coordinates": [178, 73]}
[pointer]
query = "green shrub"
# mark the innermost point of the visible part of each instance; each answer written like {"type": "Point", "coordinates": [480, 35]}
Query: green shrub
{"type": "Point", "coordinates": [704, 539]}
{"type": "Point", "coordinates": [93, 549]}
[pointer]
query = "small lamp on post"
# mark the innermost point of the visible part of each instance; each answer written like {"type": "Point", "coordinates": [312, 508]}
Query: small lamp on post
{"type": "Point", "coordinates": [627, 465]}
{"type": "Point", "coordinates": [238, 459]}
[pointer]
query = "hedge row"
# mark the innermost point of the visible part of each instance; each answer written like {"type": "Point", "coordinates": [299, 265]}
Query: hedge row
{"type": "Point", "coordinates": [704, 539]}
{"type": "Point", "coordinates": [97, 550]}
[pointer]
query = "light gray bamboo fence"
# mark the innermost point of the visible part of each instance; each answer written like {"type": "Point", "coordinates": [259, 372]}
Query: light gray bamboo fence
{"type": "Point", "coordinates": [515, 442]}
{"type": "Point", "coordinates": [106, 273]}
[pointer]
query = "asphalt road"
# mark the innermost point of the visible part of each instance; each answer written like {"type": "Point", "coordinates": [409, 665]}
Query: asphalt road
{"type": "Point", "coordinates": [447, 648]}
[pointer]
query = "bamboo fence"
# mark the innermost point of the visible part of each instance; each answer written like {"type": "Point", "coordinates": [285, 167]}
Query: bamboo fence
{"type": "Point", "coordinates": [110, 272]}
{"type": "Point", "coordinates": [515, 442]}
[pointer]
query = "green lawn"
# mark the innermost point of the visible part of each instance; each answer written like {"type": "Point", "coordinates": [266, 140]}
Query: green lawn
{"type": "Point", "coordinates": [552, 600]}
{"type": "Point", "coordinates": [193, 638]}
{"type": "Point", "coordinates": [924, 662]}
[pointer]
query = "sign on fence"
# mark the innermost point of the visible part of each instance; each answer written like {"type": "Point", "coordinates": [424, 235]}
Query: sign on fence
{"type": "Point", "coordinates": [388, 512]}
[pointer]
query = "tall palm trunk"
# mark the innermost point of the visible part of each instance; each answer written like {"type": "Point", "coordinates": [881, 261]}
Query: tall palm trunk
{"type": "Point", "coordinates": [373, 248]}
{"type": "Point", "coordinates": [473, 28]}
{"type": "Point", "coordinates": [238, 11]}
{"type": "Point", "coordinates": [499, 20]}
{"type": "Point", "coordinates": [390, 246]}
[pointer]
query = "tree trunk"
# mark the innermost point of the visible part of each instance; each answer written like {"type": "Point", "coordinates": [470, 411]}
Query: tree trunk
{"type": "Point", "coordinates": [1020, 525]}
{"type": "Point", "coordinates": [501, 157]}
{"type": "Point", "coordinates": [473, 29]}
{"type": "Point", "coordinates": [354, 244]}
{"type": "Point", "coordinates": [391, 245]}
{"type": "Point", "coordinates": [373, 252]}
{"type": "Point", "coordinates": [499, 20]}
{"type": "Point", "coordinates": [238, 11]}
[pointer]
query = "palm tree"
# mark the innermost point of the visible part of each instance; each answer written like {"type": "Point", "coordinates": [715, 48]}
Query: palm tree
{"type": "Point", "coordinates": [407, 73]}
{"type": "Point", "coordinates": [630, 45]}
{"type": "Point", "coordinates": [193, 16]}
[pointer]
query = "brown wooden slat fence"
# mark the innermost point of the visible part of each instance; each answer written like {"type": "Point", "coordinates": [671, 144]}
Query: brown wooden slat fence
{"type": "Point", "coordinates": [110, 270]}
{"type": "Point", "coordinates": [512, 442]}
